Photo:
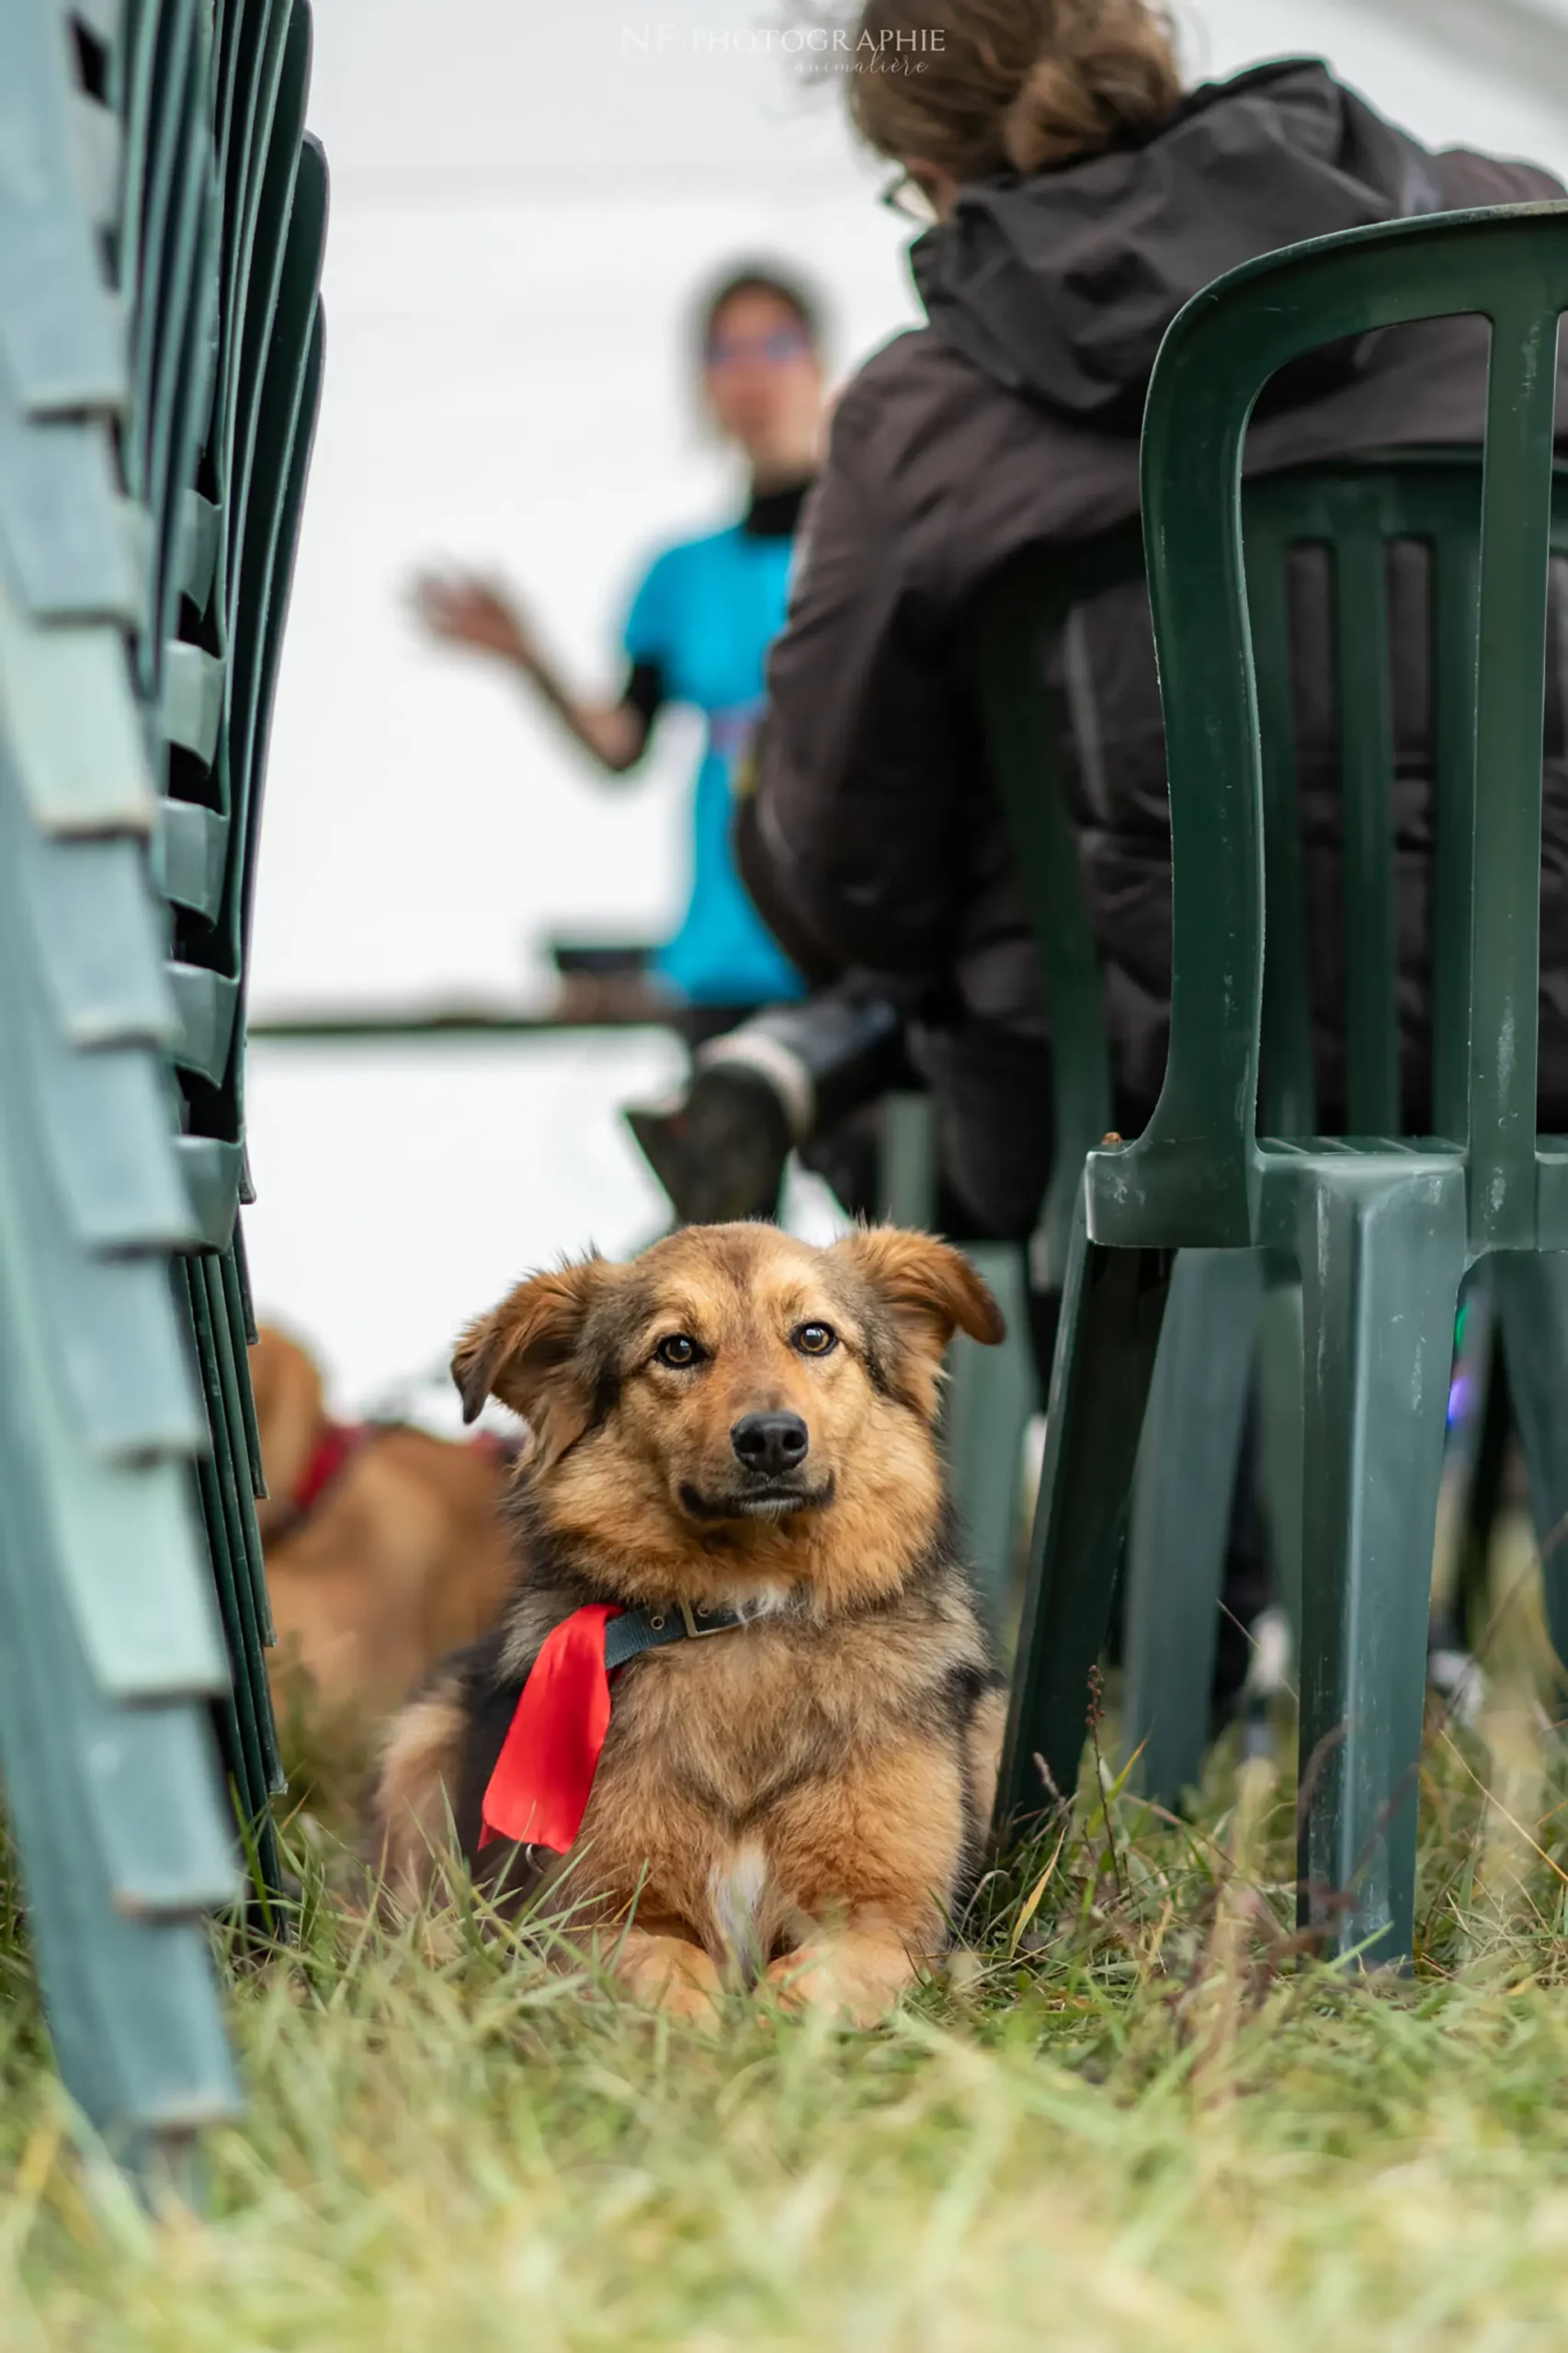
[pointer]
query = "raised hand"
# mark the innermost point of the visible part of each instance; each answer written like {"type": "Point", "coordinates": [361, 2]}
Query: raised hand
{"type": "Point", "coordinates": [464, 609]}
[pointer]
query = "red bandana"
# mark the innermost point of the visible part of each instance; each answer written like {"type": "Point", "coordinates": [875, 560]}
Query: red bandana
{"type": "Point", "coordinates": [538, 1791]}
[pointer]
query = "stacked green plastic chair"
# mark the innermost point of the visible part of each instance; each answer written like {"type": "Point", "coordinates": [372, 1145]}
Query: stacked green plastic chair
{"type": "Point", "coordinates": [161, 224]}
{"type": "Point", "coordinates": [1381, 1227]}
{"type": "Point", "coordinates": [225, 415]}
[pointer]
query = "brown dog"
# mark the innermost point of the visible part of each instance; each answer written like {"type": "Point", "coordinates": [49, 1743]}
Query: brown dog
{"type": "Point", "coordinates": [384, 1547]}
{"type": "Point", "coordinates": [735, 1425]}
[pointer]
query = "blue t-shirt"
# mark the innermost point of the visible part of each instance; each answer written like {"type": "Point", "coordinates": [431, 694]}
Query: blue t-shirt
{"type": "Point", "coordinates": [706, 613]}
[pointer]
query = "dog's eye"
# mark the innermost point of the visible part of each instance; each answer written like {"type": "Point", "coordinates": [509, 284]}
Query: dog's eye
{"type": "Point", "coordinates": [816, 1339]}
{"type": "Point", "coordinates": [679, 1350]}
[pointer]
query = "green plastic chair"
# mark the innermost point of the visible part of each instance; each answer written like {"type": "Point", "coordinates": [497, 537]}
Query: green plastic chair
{"type": "Point", "coordinates": [1222, 1316]}
{"type": "Point", "coordinates": [1381, 1228]}
{"type": "Point", "coordinates": [112, 1656]}
{"type": "Point", "coordinates": [243, 392]}
{"type": "Point", "coordinates": [160, 227]}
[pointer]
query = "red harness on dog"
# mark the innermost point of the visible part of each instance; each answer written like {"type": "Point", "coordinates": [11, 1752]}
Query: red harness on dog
{"type": "Point", "coordinates": [340, 1441]}
{"type": "Point", "coordinates": [337, 1446]}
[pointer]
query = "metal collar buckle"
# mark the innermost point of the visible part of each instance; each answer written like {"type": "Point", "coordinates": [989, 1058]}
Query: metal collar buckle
{"type": "Point", "coordinates": [726, 1625]}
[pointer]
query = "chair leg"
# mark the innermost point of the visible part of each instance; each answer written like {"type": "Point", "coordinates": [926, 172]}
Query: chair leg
{"type": "Point", "coordinates": [1382, 1258]}
{"type": "Point", "coordinates": [1280, 1366]}
{"type": "Point", "coordinates": [1113, 1301]}
{"type": "Point", "coordinates": [907, 1157]}
{"type": "Point", "coordinates": [1478, 1451]}
{"type": "Point", "coordinates": [1531, 1293]}
{"type": "Point", "coordinates": [1182, 1501]}
{"type": "Point", "coordinates": [986, 1405]}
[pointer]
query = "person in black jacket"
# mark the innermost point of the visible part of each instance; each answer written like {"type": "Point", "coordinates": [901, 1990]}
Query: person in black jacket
{"type": "Point", "coordinates": [1078, 196]}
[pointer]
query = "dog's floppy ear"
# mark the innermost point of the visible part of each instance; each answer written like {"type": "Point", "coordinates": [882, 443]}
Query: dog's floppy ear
{"type": "Point", "coordinates": [926, 1282]}
{"type": "Point", "coordinates": [928, 1291]}
{"type": "Point", "coordinates": [525, 1352]}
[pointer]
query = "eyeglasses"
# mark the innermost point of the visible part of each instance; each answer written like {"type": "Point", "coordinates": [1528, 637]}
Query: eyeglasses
{"type": "Point", "coordinates": [778, 345]}
{"type": "Point", "coordinates": [911, 199]}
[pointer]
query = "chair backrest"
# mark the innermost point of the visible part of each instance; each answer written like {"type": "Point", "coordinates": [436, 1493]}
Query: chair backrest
{"type": "Point", "coordinates": [1355, 512]}
{"type": "Point", "coordinates": [1241, 1034]}
{"type": "Point", "coordinates": [1510, 266]}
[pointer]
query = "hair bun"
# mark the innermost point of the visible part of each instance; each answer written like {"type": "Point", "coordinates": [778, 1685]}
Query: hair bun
{"type": "Point", "coordinates": [1053, 116]}
{"type": "Point", "coordinates": [1107, 66]}
{"type": "Point", "coordinates": [1018, 83]}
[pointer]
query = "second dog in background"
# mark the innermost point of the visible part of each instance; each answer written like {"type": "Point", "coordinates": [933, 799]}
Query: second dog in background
{"type": "Point", "coordinates": [384, 1548]}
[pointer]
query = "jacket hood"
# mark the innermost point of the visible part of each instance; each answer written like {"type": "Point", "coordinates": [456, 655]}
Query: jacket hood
{"type": "Point", "coordinates": [1059, 286]}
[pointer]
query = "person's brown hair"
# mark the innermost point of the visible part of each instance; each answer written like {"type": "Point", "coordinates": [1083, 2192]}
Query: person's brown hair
{"type": "Point", "coordinates": [1010, 84]}
{"type": "Point", "coordinates": [789, 293]}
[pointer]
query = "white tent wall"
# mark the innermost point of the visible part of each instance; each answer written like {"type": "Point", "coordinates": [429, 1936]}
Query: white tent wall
{"type": "Point", "coordinates": [524, 199]}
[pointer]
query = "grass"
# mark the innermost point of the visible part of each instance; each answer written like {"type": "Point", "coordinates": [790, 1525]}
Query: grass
{"type": "Point", "coordinates": [1128, 2117]}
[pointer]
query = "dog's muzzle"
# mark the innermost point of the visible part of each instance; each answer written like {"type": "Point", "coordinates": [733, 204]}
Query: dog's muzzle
{"type": "Point", "coordinates": [759, 1500]}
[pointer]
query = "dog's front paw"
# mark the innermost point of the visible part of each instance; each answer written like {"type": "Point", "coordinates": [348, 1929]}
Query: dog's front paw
{"type": "Point", "coordinates": [667, 1973]}
{"type": "Point", "coordinates": [855, 1979]}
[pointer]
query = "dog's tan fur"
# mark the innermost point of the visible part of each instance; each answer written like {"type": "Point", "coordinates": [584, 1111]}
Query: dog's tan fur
{"type": "Point", "coordinates": [801, 1799]}
{"type": "Point", "coordinates": [403, 1557]}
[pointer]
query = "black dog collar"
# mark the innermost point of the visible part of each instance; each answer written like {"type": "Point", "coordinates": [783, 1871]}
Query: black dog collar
{"type": "Point", "coordinates": [636, 1630]}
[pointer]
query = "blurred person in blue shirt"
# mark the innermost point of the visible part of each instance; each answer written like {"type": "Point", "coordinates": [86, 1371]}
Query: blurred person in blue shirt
{"type": "Point", "coordinates": [698, 629]}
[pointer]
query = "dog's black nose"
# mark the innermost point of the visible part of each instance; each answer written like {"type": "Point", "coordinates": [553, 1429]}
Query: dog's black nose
{"type": "Point", "coordinates": [770, 1443]}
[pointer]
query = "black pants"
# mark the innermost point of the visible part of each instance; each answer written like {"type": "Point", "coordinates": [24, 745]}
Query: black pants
{"type": "Point", "coordinates": [996, 1126]}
